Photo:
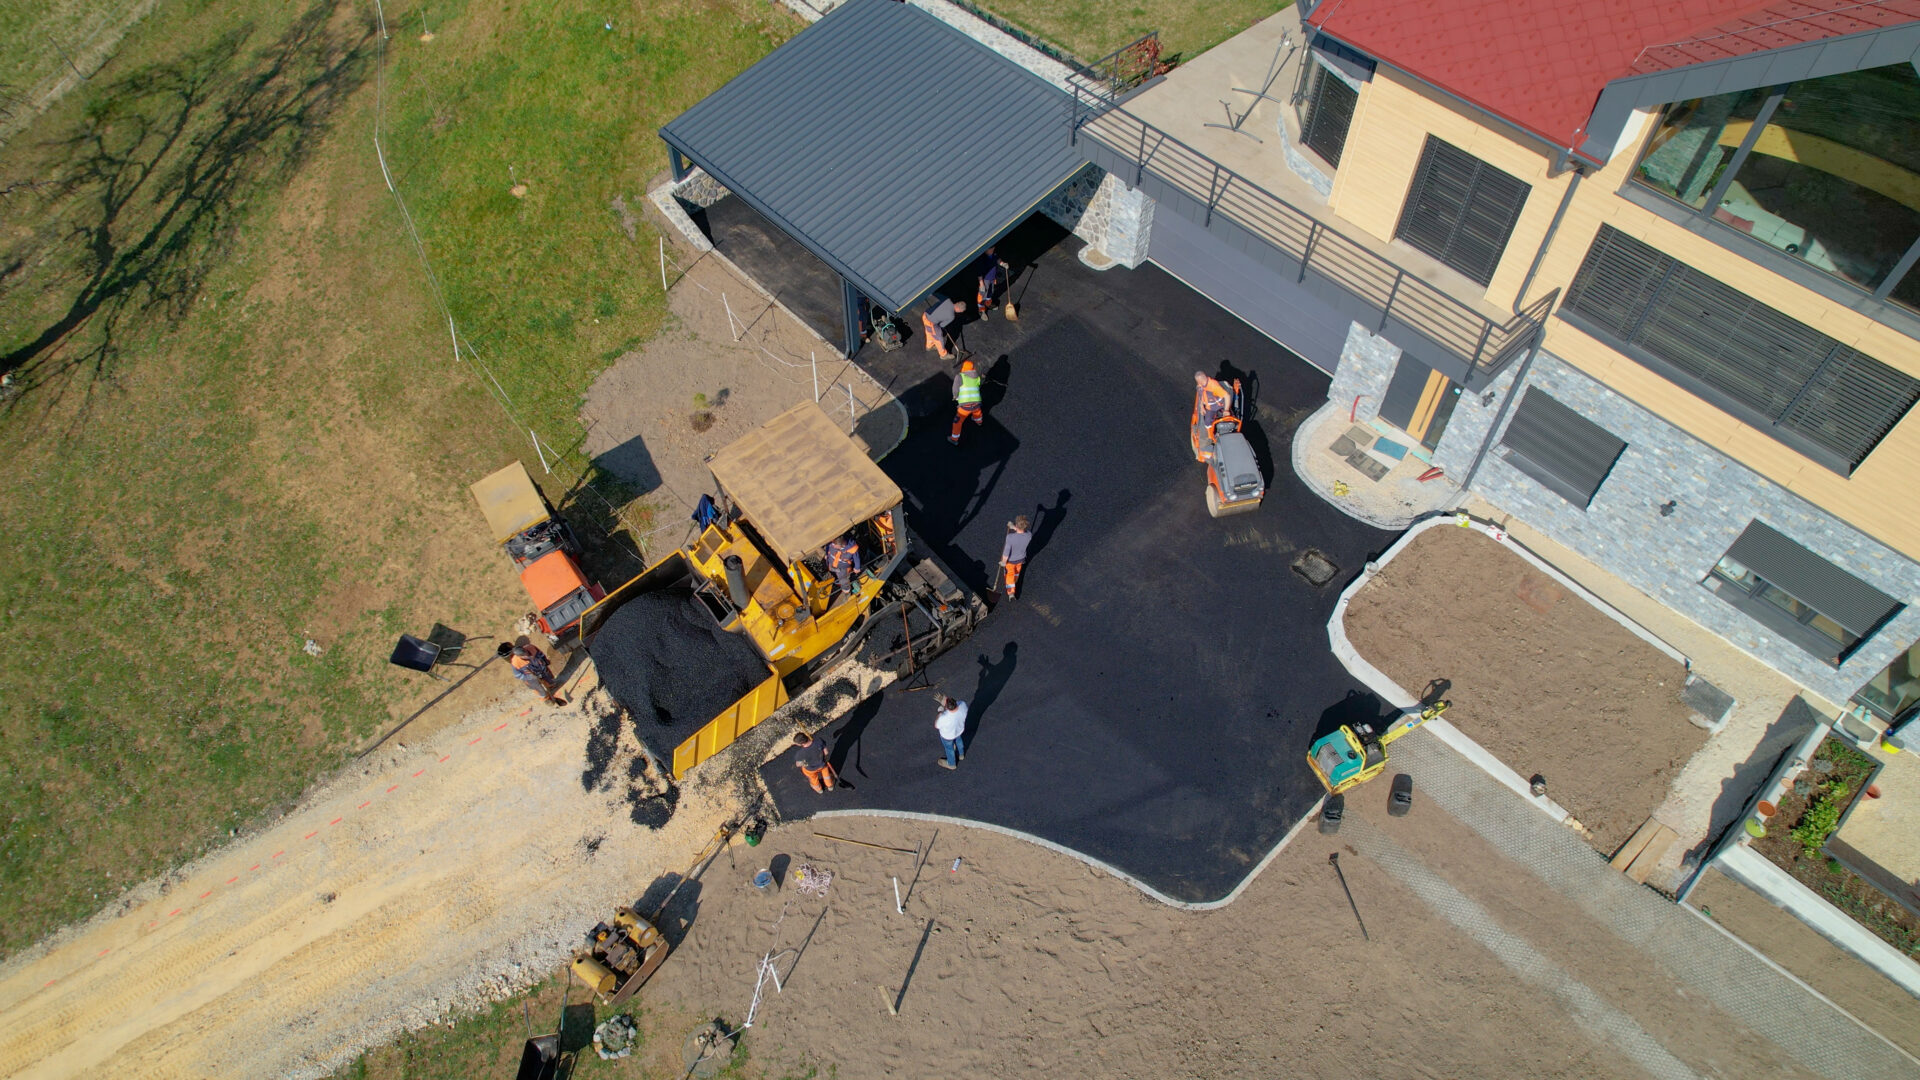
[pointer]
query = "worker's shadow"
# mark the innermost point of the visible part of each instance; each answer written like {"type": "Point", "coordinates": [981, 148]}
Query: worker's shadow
{"type": "Point", "coordinates": [682, 899]}
{"type": "Point", "coordinates": [994, 389]}
{"type": "Point", "coordinates": [846, 740]}
{"type": "Point", "coordinates": [1046, 521]}
{"type": "Point", "coordinates": [1353, 710]}
{"type": "Point", "coordinates": [993, 679]}
{"type": "Point", "coordinates": [1249, 421]}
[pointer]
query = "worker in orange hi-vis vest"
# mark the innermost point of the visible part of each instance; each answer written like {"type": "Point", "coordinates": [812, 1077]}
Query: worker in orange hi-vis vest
{"type": "Point", "coordinates": [937, 320]}
{"type": "Point", "coordinates": [530, 666]}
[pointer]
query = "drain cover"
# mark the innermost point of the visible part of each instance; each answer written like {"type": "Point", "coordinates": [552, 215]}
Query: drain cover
{"type": "Point", "coordinates": [1315, 567]}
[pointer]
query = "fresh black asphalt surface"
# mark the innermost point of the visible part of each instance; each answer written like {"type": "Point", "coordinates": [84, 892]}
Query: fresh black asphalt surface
{"type": "Point", "coordinates": [1149, 698]}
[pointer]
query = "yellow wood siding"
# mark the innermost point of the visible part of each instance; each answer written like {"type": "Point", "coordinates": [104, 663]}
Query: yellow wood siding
{"type": "Point", "coordinates": [1391, 124]}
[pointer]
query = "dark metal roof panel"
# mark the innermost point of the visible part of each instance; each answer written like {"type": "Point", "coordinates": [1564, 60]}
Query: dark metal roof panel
{"type": "Point", "coordinates": [887, 142]}
{"type": "Point", "coordinates": [1567, 452]}
{"type": "Point", "coordinates": [1811, 579]}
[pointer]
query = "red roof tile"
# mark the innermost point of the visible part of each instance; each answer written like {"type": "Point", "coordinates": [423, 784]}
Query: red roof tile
{"type": "Point", "coordinates": [1543, 63]}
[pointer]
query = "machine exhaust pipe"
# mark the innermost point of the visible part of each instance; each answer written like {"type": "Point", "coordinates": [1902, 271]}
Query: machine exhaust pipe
{"type": "Point", "coordinates": [736, 581]}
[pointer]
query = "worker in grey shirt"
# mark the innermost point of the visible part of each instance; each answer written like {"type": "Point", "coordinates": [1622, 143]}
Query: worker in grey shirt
{"type": "Point", "coordinates": [1013, 553]}
{"type": "Point", "coordinates": [937, 319]}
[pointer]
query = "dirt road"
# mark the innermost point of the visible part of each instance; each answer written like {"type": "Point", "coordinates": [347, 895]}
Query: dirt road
{"type": "Point", "coordinates": [434, 875]}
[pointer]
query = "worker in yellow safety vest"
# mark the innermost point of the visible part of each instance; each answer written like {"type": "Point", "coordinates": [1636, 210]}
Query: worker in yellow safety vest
{"type": "Point", "coordinates": [966, 399]}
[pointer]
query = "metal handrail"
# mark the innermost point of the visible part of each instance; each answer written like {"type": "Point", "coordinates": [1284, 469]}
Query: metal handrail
{"type": "Point", "coordinates": [1485, 345]}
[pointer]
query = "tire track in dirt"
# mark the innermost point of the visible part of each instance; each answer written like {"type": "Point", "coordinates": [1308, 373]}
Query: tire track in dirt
{"type": "Point", "coordinates": [432, 878]}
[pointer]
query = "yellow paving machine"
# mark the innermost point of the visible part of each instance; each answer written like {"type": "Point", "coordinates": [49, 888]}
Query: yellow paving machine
{"type": "Point", "coordinates": [710, 640]}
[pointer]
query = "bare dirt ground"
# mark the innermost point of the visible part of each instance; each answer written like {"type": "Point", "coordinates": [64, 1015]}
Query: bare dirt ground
{"type": "Point", "coordinates": [1544, 681]}
{"type": "Point", "coordinates": [641, 411]}
{"type": "Point", "coordinates": [1024, 962]}
{"type": "Point", "coordinates": [435, 876]}
{"type": "Point", "coordinates": [1793, 945]}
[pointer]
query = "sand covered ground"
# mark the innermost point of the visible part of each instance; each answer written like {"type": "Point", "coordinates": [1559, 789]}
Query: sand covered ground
{"type": "Point", "coordinates": [1030, 963]}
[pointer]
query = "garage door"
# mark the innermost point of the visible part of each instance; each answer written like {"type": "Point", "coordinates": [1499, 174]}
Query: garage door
{"type": "Point", "coordinates": [1271, 302]}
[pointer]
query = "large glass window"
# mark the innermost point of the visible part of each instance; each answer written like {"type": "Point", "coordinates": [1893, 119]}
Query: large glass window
{"type": "Point", "coordinates": [1695, 142]}
{"type": "Point", "coordinates": [1896, 689]}
{"type": "Point", "coordinates": [1825, 170]}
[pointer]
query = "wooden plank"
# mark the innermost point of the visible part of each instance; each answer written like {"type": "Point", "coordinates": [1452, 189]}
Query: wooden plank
{"type": "Point", "coordinates": [1649, 857]}
{"type": "Point", "coordinates": [1635, 845]}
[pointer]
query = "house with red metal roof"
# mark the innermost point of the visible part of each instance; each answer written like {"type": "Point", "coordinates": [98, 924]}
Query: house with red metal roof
{"type": "Point", "coordinates": [1640, 281]}
{"type": "Point", "coordinates": [1642, 277]}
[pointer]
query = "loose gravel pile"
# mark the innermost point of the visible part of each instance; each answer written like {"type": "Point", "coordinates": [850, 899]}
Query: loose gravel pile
{"type": "Point", "coordinates": [664, 658]}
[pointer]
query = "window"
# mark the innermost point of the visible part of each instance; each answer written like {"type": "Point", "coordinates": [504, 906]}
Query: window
{"type": "Point", "coordinates": [1330, 103]}
{"type": "Point", "coordinates": [1824, 170]}
{"type": "Point", "coordinates": [1824, 399]}
{"type": "Point", "coordinates": [1460, 210]}
{"type": "Point", "coordinates": [1802, 597]}
{"type": "Point", "coordinates": [1565, 451]}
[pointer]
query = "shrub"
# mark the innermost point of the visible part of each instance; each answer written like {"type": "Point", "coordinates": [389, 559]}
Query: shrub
{"type": "Point", "coordinates": [1816, 825]}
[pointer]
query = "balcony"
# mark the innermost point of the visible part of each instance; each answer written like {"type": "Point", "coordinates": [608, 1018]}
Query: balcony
{"type": "Point", "coordinates": [1389, 288]}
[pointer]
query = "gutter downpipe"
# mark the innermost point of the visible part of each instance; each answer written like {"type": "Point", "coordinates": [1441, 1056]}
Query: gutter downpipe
{"type": "Point", "coordinates": [1520, 377]}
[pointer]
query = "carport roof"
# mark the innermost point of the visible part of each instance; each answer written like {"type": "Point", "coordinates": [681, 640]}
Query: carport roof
{"type": "Point", "coordinates": [890, 144]}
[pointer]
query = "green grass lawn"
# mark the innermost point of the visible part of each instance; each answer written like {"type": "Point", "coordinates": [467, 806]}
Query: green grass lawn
{"type": "Point", "coordinates": [1090, 29]}
{"type": "Point", "coordinates": [488, 1043]}
{"type": "Point", "coordinates": [241, 427]}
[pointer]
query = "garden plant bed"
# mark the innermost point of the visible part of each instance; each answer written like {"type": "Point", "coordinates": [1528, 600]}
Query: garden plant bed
{"type": "Point", "coordinates": [1544, 681]}
{"type": "Point", "coordinates": [1807, 816]}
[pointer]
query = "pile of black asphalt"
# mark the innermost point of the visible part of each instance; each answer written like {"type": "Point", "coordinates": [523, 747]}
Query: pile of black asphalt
{"type": "Point", "coordinates": [662, 656]}
{"type": "Point", "coordinates": [1149, 698]}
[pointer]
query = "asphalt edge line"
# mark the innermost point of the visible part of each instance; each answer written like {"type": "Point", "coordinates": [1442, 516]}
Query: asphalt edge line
{"type": "Point", "coordinates": [1377, 681]}
{"type": "Point", "coordinates": [1097, 864]}
{"type": "Point", "coordinates": [1803, 984]}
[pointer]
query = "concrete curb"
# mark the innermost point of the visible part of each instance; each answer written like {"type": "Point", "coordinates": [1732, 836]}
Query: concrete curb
{"type": "Point", "coordinates": [1802, 983]}
{"type": "Point", "coordinates": [1104, 867]}
{"type": "Point", "coordinates": [1781, 889]}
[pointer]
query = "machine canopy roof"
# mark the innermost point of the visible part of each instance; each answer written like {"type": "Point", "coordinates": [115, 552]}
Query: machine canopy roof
{"type": "Point", "coordinates": [801, 481]}
{"type": "Point", "coordinates": [511, 503]}
{"type": "Point", "coordinates": [891, 145]}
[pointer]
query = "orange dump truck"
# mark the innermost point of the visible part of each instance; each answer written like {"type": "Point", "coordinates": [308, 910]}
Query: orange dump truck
{"type": "Point", "coordinates": [542, 547]}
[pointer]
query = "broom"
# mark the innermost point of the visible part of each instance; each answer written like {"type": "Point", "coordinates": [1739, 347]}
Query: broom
{"type": "Point", "coordinates": [1013, 313]}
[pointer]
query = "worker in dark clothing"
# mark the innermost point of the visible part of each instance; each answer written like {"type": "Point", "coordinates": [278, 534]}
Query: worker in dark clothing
{"type": "Point", "coordinates": [1013, 553]}
{"type": "Point", "coordinates": [937, 320]}
{"type": "Point", "coordinates": [966, 399]}
{"type": "Point", "coordinates": [843, 559]}
{"type": "Point", "coordinates": [992, 275]}
{"type": "Point", "coordinates": [811, 754]}
{"type": "Point", "coordinates": [530, 666]}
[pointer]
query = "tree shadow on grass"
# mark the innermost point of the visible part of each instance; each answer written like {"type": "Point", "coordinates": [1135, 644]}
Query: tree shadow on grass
{"type": "Point", "coordinates": [140, 198]}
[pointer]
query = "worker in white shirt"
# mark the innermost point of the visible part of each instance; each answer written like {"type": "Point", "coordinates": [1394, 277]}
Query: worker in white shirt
{"type": "Point", "coordinates": [951, 723]}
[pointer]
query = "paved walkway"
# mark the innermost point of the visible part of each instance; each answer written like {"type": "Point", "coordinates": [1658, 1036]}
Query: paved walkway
{"type": "Point", "coordinates": [1806, 1025]}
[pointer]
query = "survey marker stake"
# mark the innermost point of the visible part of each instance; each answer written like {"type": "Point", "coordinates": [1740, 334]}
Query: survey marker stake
{"type": "Point", "coordinates": [1334, 861]}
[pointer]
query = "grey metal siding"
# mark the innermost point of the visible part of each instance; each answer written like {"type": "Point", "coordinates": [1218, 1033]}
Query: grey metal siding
{"type": "Point", "coordinates": [1811, 579]}
{"type": "Point", "coordinates": [1557, 446]}
{"type": "Point", "coordinates": [888, 143]}
{"type": "Point", "coordinates": [1271, 303]}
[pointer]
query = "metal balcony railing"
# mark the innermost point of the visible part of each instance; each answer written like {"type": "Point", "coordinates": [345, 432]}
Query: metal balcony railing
{"type": "Point", "coordinates": [1482, 345]}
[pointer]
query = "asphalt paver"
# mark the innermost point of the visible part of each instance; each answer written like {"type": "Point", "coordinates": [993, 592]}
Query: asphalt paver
{"type": "Point", "coordinates": [1149, 698]}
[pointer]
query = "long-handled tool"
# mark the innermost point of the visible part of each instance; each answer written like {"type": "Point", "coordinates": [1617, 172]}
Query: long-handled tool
{"type": "Point", "coordinates": [1013, 312]}
{"type": "Point", "coordinates": [1334, 860]}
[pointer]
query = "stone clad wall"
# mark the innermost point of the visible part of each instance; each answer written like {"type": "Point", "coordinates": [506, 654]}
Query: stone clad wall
{"type": "Point", "coordinates": [1668, 557]}
{"type": "Point", "coordinates": [1111, 217]}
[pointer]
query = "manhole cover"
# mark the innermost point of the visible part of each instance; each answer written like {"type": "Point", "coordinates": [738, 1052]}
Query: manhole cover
{"type": "Point", "coordinates": [1315, 567]}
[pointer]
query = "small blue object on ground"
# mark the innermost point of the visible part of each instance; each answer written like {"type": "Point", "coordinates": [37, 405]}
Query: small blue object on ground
{"type": "Point", "coordinates": [1392, 449]}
